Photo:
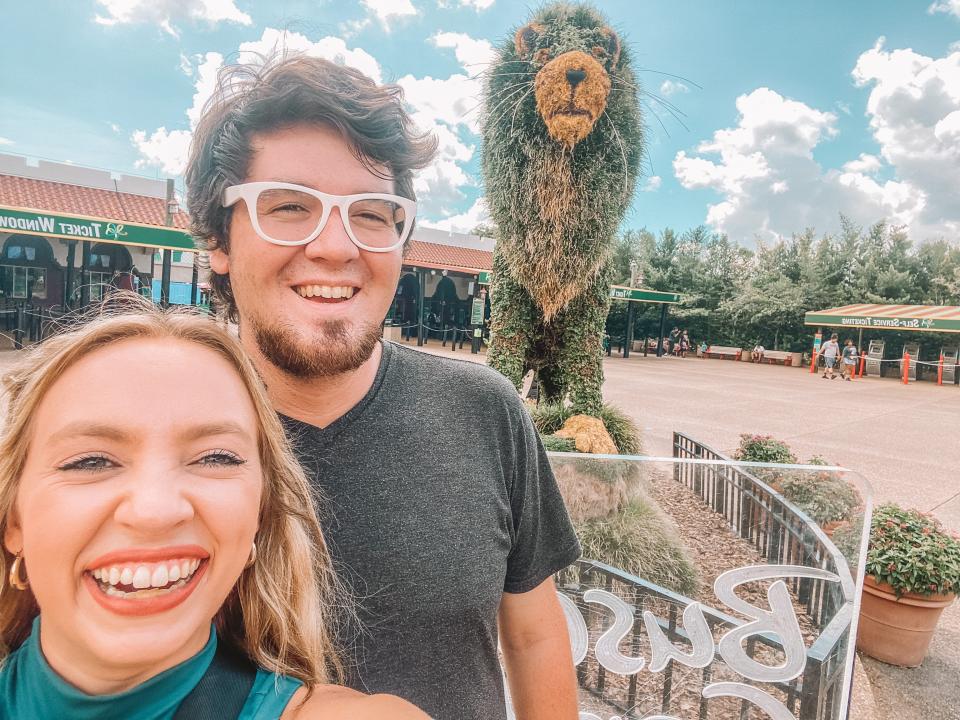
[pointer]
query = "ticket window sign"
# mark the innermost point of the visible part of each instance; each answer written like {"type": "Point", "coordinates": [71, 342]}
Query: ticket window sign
{"type": "Point", "coordinates": [768, 632]}
{"type": "Point", "coordinates": [477, 310]}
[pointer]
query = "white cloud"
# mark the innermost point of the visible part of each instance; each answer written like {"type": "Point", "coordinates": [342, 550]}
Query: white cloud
{"type": "Point", "coordinates": [770, 184]}
{"type": "Point", "coordinates": [475, 4]}
{"type": "Point", "coordinates": [866, 164]}
{"type": "Point", "coordinates": [448, 107]}
{"type": "Point", "coordinates": [945, 6]}
{"type": "Point", "coordinates": [164, 149]}
{"type": "Point", "coordinates": [914, 111]}
{"type": "Point", "coordinates": [6, 141]}
{"type": "Point", "coordinates": [163, 12]}
{"type": "Point", "coordinates": [843, 107]}
{"type": "Point", "coordinates": [186, 65]}
{"type": "Point", "coordinates": [766, 175]}
{"type": "Point", "coordinates": [332, 48]}
{"type": "Point", "coordinates": [386, 10]}
{"type": "Point", "coordinates": [478, 214]}
{"type": "Point", "coordinates": [669, 87]}
{"type": "Point", "coordinates": [652, 184]}
{"type": "Point", "coordinates": [167, 148]}
{"type": "Point", "coordinates": [114, 127]}
{"type": "Point", "coordinates": [474, 55]}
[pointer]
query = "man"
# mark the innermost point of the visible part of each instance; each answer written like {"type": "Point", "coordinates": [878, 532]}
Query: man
{"type": "Point", "coordinates": [830, 352]}
{"type": "Point", "coordinates": [437, 500]}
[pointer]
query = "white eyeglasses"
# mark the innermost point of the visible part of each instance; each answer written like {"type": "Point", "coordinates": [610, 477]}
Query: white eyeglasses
{"type": "Point", "coordinates": [287, 214]}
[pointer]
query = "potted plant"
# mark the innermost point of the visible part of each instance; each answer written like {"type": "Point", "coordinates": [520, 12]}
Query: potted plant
{"type": "Point", "coordinates": [912, 574]}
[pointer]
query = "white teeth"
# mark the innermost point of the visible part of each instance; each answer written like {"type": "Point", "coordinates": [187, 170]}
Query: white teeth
{"type": "Point", "coordinates": [114, 575]}
{"type": "Point", "coordinates": [326, 291]}
{"type": "Point", "coordinates": [185, 568]}
{"type": "Point", "coordinates": [159, 577]}
{"type": "Point", "coordinates": [126, 576]}
{"type": "Point", "coordinates": [141, 577]}
{"type": "Point", "coordinates": [173, 572]}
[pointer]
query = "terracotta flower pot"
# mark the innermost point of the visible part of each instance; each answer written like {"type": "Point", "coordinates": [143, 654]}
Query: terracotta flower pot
{"type": "Point", "coordinates": [897, 630]}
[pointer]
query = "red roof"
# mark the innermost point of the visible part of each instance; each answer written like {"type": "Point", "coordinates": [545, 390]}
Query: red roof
{"type": "Point", "coordinates": [78, 200]}
{"type": "Point", "coordinates": [448, 257]}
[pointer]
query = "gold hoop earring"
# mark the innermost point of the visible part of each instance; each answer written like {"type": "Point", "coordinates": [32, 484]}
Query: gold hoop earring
{"type": "Point", "coordinates": [15, 581]}
{"type": "Point", "coordinates": [253, 555]}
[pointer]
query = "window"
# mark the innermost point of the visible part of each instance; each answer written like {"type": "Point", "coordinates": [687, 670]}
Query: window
{"type": "Point", "coordinates": [23, 282]}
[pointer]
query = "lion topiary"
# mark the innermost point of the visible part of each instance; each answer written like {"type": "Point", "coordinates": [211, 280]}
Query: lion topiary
{"type": "Point", "coordinates": [562, 144]}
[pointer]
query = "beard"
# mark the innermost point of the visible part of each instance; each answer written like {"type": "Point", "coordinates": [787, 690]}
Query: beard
{"type": "Point", "coordinates": [335, 348]}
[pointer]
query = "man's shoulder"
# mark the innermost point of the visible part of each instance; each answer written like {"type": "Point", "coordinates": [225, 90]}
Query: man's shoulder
{"type": "Point", "coordinates": [445, 374]}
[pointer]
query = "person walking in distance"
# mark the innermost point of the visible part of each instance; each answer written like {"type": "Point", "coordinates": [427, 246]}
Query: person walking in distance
{"type": "Point", "coordinates": [830, 352]}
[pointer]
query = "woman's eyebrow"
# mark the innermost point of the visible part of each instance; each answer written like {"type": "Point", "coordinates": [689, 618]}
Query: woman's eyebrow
{"type": "Point", "coordinates": [85, 428]}
{"type": "Point", "coordinates": [223, 427]}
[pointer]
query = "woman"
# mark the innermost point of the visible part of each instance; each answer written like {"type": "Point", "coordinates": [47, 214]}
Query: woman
{"type": "Point", "coordinates": [159, 538]}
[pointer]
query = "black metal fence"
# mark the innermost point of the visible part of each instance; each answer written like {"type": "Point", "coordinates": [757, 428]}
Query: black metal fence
{"type": "Point", "coordinates": [782, 535]}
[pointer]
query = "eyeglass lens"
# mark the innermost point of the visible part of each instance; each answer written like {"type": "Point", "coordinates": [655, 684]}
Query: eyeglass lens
{"type": "Point", "coordinates": [292, 216]}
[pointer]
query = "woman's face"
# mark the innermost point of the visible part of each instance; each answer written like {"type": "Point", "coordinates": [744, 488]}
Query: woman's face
{"type": "Point", "coordinates": [137, 505]}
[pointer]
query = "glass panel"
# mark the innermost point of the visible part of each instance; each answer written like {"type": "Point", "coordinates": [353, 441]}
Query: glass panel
{"type": "Point", "coordinates": [31, 253]}
{"type": "Point", "coordinates": [19, 282]}
{"type": "Point", "coordinates": [710, 589]}
{"type": "Point", "coordinates": [37, 280]}
{"type": "Point", "coordinates": [14, 252]}
{"type": "Point", "coordinates": [6, 281]}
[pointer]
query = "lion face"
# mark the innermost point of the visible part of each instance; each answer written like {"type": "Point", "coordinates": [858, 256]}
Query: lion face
{"type": "Point", "coordinates": [572, 80]}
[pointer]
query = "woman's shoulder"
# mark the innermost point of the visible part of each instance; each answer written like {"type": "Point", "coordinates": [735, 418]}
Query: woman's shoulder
{"type": "Point", "coordinates": [331, 702]}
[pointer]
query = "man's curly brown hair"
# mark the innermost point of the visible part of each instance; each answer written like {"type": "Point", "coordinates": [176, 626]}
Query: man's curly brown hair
{"type": "Point", "coordinates": [283, 92]}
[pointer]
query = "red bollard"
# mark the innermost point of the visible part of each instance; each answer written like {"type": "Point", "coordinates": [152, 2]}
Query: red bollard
{"type": "Point", "coordinates": [940, 370]}
{"type": "Point", "coordinates": [813, 363]}
{"type": "Point", "coordinates": [863, 365]}
{"type": "Point", "coordinates": [906, 368]}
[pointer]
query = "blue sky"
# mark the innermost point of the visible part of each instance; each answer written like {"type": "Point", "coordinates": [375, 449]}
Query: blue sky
{"type": "Point", "coordinates": [792, 112]}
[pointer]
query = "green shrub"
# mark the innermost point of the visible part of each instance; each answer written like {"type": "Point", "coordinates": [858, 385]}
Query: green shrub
{"type": "Point", "coordinates": [763, 449]}
{"type": "Point", "coordinates": [642, 541]}
{"type": "Point", "coordinates": [550, 417]}
{"type": "Point", "coordinates": [552, 443]}
{"type": "Point", "coordinates": [824, 496]}
{"type": "Point", "coordinates": [910, 551]}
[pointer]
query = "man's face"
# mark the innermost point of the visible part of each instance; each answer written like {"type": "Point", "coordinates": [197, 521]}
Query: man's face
{"type": "Point", "coordinates": [280, 290]}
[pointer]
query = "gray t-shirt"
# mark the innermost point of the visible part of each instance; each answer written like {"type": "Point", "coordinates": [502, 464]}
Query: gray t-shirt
{"type": "Point", "coordinates": [438, 498]}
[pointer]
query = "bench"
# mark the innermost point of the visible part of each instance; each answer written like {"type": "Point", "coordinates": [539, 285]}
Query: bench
{"type": "Point", "coordinates": [722, 352]}
{"type": "Point", "coordinates": [777, 357]}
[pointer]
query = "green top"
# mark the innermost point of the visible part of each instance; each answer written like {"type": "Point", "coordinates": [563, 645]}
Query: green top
{"type": "Point", "coordinates": [30, 688]}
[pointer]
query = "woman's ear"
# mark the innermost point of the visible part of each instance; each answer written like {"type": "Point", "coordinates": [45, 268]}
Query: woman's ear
{"type": "Point", "coordinates": [13, 535]}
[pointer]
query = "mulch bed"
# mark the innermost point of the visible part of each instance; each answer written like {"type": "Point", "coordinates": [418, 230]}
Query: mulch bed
{"type": "Point", "coordinates": [714, 549]}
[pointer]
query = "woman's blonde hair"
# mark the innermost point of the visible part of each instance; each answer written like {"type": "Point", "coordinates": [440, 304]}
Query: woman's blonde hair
{"type": "Point", "coordinates": [282, 609]}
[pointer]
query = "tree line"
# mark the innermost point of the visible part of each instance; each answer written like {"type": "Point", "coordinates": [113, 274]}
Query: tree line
{"type": "Point", "coordinates": [733, 295]}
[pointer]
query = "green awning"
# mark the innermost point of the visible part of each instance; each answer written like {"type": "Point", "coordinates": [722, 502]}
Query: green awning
{"type": "Point", "coordinates": [916, 318]}
{"type": "Point", "coordinates": [77, 227]}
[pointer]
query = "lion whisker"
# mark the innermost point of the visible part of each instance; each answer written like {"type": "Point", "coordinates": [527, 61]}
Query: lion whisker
{"type": "Point", "coordinates": [623, 152]}
{"type": "Point", "coordinates": [517, 107]}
